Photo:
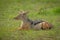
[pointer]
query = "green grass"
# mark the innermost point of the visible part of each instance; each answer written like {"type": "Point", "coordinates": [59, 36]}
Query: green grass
{"type": "Point", "coordinates": [48, 10]}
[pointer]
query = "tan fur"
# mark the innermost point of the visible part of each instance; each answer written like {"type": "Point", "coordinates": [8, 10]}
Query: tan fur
{"type": "Point", "coordinates": [46, 25]}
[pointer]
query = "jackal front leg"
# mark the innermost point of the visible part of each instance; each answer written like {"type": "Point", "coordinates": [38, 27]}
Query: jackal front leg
{"type": "Point", "coordinates": [20, 27]}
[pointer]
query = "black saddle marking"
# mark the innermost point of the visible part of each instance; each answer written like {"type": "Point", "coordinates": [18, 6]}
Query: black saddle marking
{"type": "Point", "coordinates": [36, 22]}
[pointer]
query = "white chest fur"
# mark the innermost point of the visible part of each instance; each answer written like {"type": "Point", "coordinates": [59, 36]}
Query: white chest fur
{"type": "Point", "coordinates": [21, 23]}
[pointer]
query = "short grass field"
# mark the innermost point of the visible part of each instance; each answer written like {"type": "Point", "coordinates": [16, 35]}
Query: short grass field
{"type": "Point", "coordinates": [48, 10]}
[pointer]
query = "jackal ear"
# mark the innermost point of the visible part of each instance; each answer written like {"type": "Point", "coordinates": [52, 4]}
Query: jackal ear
{"type": "Point", "coordinates": [23, 12]}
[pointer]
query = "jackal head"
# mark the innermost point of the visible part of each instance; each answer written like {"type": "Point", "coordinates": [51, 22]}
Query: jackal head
{"type": "Point", "coordinates": [21, 15]}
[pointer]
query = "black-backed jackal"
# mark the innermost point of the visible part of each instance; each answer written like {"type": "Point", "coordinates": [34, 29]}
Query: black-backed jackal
{"type": "Point", "coordinates": [27, 24]}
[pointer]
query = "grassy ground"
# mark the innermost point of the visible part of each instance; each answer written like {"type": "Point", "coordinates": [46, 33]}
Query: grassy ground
{"type": "Point", "coordinates": [48, 10]}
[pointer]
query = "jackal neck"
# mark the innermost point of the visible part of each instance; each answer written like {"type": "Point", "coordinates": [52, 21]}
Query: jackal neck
{"type": "Point", "coordinates": [26, 19]}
